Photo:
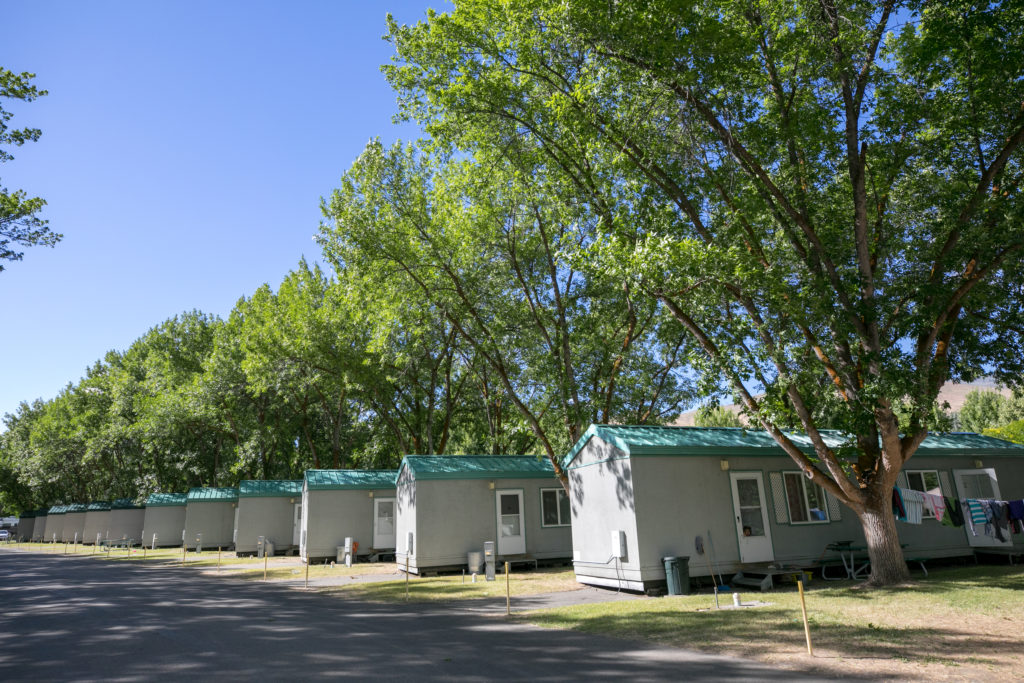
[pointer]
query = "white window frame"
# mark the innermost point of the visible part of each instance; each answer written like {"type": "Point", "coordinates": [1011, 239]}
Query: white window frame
{"type": "Point", "coordinates": [558, 508]}
{"type": "Point", "coordinates": [804, 483]}
{"type": "Point", "coordinates": [928, 514]}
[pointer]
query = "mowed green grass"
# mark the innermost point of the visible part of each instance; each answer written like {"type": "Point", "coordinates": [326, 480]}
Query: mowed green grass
{"type": "Point", "coordinates": [959, 617]}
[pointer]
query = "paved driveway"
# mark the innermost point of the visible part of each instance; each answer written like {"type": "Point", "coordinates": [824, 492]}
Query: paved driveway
{"type": "Point", "coordinates": [73, 618]}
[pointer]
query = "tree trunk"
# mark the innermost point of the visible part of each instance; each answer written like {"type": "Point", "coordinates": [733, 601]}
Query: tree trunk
{"type": "Point", "coordinates": [887, 564]}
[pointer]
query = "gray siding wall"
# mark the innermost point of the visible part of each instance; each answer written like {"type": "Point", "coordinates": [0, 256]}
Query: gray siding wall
{"type": "Point", "coordinates": [39, 530]}
{"type": "Point", "coordinates": [54, 527]}
{"type": "Point", "coordinates": [603, 500]}
{"type": "Point", "coordinates": [26, 526]}
{"type": "Point", "coordinates": [270, 516]}
{"type": "Point", "coordinates": [405, 518]}
{"type": "Point", "coordinates": [215, 520]}
{"type": "Point", "coordinates": [336, 514]}
{"type": "Point", "coordinates": [96, 522]}
{"type": "Point", "coordinates": [675, 499]}
{"type": "Point", "coordinates": [167, 522]}
{"type": "Point", "coordinates": [456, 516]}
{"type": "Point", "coordinates": [128, 524]}
{"type": "Point", "coordinates": [74, 522]}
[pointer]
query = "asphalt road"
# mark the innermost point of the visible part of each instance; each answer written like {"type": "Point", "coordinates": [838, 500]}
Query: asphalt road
{"type": "Point", "coordinates": [73, 618]}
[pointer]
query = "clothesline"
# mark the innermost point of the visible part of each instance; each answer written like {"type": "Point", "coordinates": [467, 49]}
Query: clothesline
{"type": "Point", "coordinates": [983, 516]}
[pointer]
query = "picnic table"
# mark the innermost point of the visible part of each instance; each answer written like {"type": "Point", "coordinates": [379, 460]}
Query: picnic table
{"type": "Point", "coordinates": [848, 556]}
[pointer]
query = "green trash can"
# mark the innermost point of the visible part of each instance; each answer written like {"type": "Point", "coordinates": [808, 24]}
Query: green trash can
{"type": "Point", "coordinates": [677, 574]}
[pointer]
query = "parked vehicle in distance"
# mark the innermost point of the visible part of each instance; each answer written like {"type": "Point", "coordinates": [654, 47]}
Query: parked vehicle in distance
{"type": "Point", "coordinates": [5, 535]}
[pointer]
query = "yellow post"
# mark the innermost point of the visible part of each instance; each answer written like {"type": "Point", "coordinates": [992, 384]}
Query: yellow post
{"type": "Point", "coordinates": [65, 547]}
{"type": "Point", "coordinates": [407, 577]}
{"type": "Point", "coordinates": [218, 558]}
{"type": "Point", "coordinates": [307, 572]}
{"type": "Point", "coordinates": [265, 556]}
{"type": "Point", "coordinates": [807, 627]}
{"type": "Point", "coordinates": [508, 593]}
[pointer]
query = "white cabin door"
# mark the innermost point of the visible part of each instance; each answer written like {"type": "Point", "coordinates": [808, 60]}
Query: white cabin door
{"type": "Point", "coordinates": [297, 524]}
{"type": "Point", "coordinates": [383, 523]}
{"type": "Point", "coordinates": [979, 484]}
{"type": "Point", "coordinates": [755, 538]}
{"type": "Point", "coordinates": [511, 530]}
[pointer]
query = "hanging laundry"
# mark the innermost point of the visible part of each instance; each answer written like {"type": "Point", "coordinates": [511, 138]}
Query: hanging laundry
{"type": "Point", "coordinates": [913, 504]}
{"type": "Point", "coordinates": [935, 504]}
{"type": "Point", "coordinates": [954, 513]}
{"type": "Point", "coordinates": [996, 519]}
{"type": "Point", "coordinates": [1015, 509]}
{"type": "Point", "coordinates": [974, 516]}
{"type": "Point", "coordinates": [898, 509]}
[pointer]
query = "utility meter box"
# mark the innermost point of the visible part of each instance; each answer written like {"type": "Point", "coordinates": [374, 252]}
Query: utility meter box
{"type": "Point", "coordinates": [261, 542]}
{"type": "Point", "coordinates": [348, 551]}
{"type": "Point", "coordinates": [199, 543]}
{"type": "Point", "coordinates": [154, 542]}
{"type": "Point", "coordinates": [408, 544]}
{"type": "Point", "coordinates": [489, 559]}
{"type": "Point", "coordinates": [618, 545]}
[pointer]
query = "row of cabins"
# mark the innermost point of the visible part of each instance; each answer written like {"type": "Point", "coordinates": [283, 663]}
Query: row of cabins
{"type": "Point", "coordinates": [728, 499]}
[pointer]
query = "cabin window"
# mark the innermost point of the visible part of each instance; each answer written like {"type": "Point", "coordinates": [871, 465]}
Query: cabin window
{"type": "Point", "coordinates": [926, 481]}
{"type": "Point", "coordinates": [554, 508]}
{"type": "Point", "coordinates": [806, 500]}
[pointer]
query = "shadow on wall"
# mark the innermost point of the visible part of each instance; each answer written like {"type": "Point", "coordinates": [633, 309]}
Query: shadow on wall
{"type": "Point", "coordinates": [405, 494]}
{"type": "Point", "coordinates": [611, 463]}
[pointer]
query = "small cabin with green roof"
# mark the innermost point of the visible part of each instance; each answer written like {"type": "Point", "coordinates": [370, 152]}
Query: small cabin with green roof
{"type": "Point", "coordinates": [730, 499]}
{"type": "Point", "coordinates": [127, 519]}
{"type": "Point", "coordinates": [26, 525]}
{"type": "Point", "coordinates": [54, 530]}
{"type": "Point", "coordinates": [210, 517]}
{"type": "Point", "coordinates": [268, 508]}
{"type": "Point", "coordinates": [97, 521]}
{"type": "Point", "coordinates": [39, 527]}
{"type": "Point", "coordinates": [452, 505]}
{"type": "Point", "coordinates": [163, 524]}
{"type": "Point", "coordinates": [74, 522]}
{"type": "Point", "coordinates": [340, 504]}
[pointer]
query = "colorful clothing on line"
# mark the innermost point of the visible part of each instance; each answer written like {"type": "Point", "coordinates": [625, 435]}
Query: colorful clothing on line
{"type": "Point", "coordinates": [974, 516]}
{"type": "Point", "coordinates": [954, 513]}
{"type": "Point", "coordinates": [913, 504]}
{"type": "Point", "coordinates": [936, 505]}
{"type": "Point", "coordinates": [898, 510]}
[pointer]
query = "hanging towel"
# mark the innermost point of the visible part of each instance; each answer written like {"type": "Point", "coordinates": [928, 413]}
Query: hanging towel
{"type": "Point", "coordinates": [936, 505]}
{"type": "Point", "coordinates": [913, 503]}
{"type": "Point", "coordinates": [996, 513]}
{"type": "Point", "coordinates": [974, 516]}
{"type": "Point", "coordinates": [954, 513]}
{"type": "Point", "coordinates": [898, 508]}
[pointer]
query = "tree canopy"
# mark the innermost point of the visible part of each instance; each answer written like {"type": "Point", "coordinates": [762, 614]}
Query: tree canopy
{"type": "Point", "coordinates": [824, 196]}
{"type": "Point", "coordinates": [20, 224]}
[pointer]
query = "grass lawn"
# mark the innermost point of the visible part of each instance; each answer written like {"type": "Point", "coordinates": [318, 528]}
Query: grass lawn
{"type": "Point", "coordinates": [956, 624]}
{"type": "Point", "coordinates": [294, 569]}
{"type": "Point", "coordinates": [442, 588]}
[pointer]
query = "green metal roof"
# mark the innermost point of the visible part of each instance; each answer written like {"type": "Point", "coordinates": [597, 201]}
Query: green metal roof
{"type": "Point", "coordinates": [327, 480]}
{"type": "Point", "coordinates": [77, 507]}
{"type": "Point", "coordinates": [478, 466]}
{"type": "Point", "coordinates": [712, 441]}
{"type": "Point", "coordinates": [98, 505]}
{"type": "Point", "coordinates": [269, 488]}
{"type": "Point", "coordinates": [125, 504]}
{"type": "Point", "coordinates": [58, 510]}
{"type": "Point", "coordinates": [213, 495]}
{"type": "Point", "coordinates": [166, 499]}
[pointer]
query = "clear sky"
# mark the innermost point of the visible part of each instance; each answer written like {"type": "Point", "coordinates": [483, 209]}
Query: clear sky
{"type": "Point", "coordinates": [185, 149]}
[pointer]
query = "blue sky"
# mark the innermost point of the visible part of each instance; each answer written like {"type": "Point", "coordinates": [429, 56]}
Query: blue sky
{"type": "Point", "coordinates": [185, 149]}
